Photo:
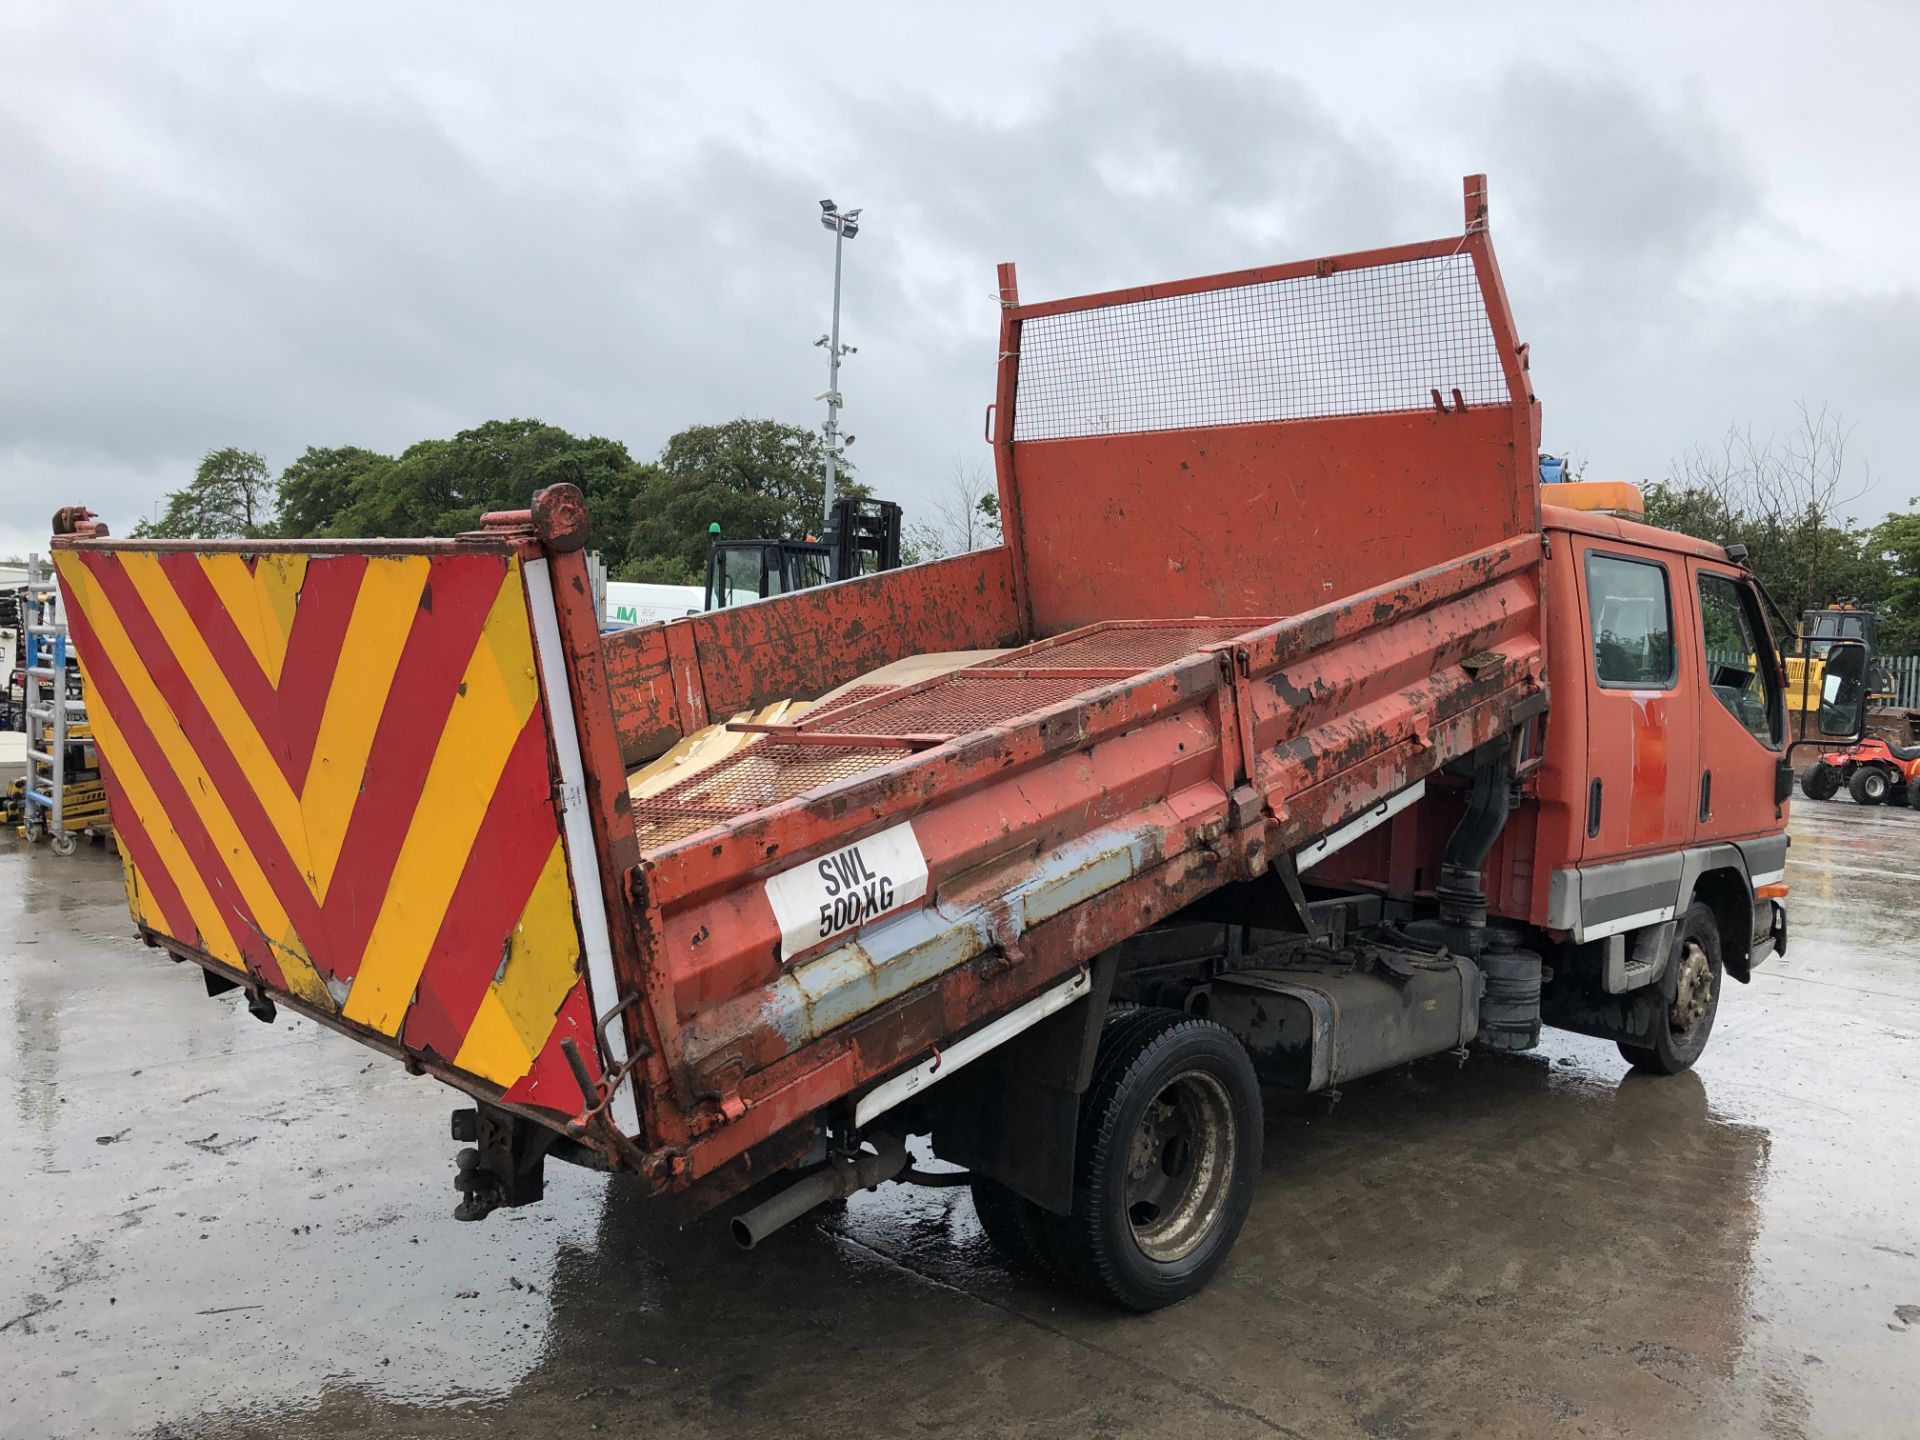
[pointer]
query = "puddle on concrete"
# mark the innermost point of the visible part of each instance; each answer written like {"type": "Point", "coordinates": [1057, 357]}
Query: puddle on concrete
{"type": "Point", "coordinates": [223, 1228]}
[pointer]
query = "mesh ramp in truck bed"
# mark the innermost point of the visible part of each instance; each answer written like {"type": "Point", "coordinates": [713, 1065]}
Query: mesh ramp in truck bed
{"type": "Point", "coordinates": [871, 726]}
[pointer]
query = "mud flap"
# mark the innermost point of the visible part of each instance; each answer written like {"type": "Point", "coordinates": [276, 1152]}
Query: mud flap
{"type": "Point", "coordinates": [1014, 1115]}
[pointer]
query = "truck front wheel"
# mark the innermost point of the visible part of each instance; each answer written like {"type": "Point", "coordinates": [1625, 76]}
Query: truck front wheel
{"type": "Point", "coordinates": [1168, 1153]}
{"type": "Point", "coordinates": [1691, 989]}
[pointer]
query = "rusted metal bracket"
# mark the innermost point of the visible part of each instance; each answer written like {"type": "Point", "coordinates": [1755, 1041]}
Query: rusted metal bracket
{"type": "Point", "coordinates": [593, 1121]}
{"type": "Point", "coordinates": [1287, 872]}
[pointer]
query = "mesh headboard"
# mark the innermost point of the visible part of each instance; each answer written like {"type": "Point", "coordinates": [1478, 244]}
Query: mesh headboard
{"type": "Point", "coordinates": [1265, 441]}
{"type": "Point", "coordinates": [1353, 342]}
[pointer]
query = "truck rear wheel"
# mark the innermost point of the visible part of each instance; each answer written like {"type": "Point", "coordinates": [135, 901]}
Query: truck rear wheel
{"type": "Point", "coordinates": [1869, 785]}
{"type": "Point", "coordinates": [1691, 988]}
{"type": "Point", "coordinates": [1168, 1153]}
{"type": "Point", "coordinates": [1820, 781]}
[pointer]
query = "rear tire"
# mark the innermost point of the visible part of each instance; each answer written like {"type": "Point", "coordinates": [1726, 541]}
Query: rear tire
{"type": "Point", "coordinates": [1820, 781]}
{"type": "Point", "coordinates": [1167, 1156]}
{"type": "Point", "coordinates": [1691, 991]}
{"type": "Point", "coordinates": [1869, 785]}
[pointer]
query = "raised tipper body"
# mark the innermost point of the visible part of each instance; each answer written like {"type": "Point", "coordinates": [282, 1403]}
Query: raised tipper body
{"type": "Point", "coordinates": [1247, 722]}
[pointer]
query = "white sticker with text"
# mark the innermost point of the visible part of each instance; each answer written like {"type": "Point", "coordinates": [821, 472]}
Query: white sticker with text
{"type": "Point", "coordinates": [844, 890]}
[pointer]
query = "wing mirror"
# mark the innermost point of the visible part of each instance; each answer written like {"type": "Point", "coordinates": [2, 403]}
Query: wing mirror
{"type": "Point", "coordinates": [1843, 692]}
{"type": "Point", "coordinates": [1839, 708]}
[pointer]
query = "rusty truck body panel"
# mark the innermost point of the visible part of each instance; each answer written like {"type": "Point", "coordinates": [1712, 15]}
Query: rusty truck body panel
{"type": "Point", "coordinates": [1274, 561]}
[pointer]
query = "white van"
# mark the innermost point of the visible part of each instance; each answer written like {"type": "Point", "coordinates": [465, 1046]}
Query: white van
{"type": "Point", "coordinates": [632, 603]}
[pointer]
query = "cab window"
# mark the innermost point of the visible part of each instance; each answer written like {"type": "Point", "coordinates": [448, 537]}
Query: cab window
{"type": "Point", "coordinates": [1632, 623]}
{"type": "Point", "coordinates": [1738, 668]}
{"type": "Point", "coordinates": [737, 578]}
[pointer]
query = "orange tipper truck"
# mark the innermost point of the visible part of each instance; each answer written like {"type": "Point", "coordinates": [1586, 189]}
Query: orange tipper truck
{"type": "Point", "coordinates": [1306, 741]}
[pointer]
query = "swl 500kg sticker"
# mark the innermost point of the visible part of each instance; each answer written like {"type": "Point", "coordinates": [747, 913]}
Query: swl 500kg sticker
{"type": "Point", "coordinates": [845, 889]}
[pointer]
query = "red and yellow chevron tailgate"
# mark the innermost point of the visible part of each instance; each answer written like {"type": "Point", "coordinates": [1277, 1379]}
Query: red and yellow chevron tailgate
{"type": "Point", "coordinates": [330, 773]}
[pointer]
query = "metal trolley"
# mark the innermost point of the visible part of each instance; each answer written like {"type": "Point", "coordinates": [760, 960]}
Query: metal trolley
{"type": "Point", "coordinates": [62, 796]}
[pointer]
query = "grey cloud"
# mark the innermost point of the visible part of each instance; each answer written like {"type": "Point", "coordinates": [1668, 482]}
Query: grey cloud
{"type": "Point", "coordinates": [206, 245]}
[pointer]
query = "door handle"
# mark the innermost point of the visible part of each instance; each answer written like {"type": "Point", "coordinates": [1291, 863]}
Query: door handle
{"type": "Point", "coordinates": [1706, 796]}
{"type": "Point", "coordinates": [1593, 809]}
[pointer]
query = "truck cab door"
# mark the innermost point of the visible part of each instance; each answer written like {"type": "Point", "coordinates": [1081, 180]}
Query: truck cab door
{"type": "Point", "coordinates": [1742, 716]}
{"type": "Point", "coordinates": [1642, 732]}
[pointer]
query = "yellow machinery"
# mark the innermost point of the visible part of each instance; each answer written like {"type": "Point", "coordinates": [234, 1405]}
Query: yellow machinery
{"type": "Point", "coordinates": [1806, 671]}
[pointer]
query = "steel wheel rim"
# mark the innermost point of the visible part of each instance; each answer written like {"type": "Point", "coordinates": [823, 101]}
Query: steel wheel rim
{"type": "Point", "coordinates": [1693, 995]}
{"type": "Point", "coordinates": [1179, 1166]}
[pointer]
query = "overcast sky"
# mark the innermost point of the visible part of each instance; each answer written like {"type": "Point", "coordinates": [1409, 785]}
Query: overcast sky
{"type": "Point", "coordinates": [272, 227]}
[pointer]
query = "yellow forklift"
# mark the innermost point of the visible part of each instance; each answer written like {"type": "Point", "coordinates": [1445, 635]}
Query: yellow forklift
{"type": "Point", "coordinates": [1806, 672]}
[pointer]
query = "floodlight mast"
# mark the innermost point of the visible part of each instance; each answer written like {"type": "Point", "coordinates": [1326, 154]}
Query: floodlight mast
{"type": "Point", "coordinates": [844, 225]}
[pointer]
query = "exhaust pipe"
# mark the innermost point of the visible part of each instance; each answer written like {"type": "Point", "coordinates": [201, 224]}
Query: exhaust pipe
{"type": "Point", "coordinates": [843, 1176]}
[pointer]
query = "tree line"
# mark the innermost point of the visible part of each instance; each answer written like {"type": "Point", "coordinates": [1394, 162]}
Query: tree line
{"type": "Point", "coordinates": [649, 518]}
{"type": "Point", "coordinates": [1786, 496]}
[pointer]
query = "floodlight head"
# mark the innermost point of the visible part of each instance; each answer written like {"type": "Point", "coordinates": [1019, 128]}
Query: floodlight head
{"type": "Point", "coordinates": [827, 206]}
{"type": "Point", "coordinates": [853, 215]}
{"type": "Point", "coordinates": [848, 228]}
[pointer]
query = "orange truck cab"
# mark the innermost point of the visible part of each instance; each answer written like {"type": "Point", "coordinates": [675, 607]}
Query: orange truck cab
{"type": "Point", "coordinates": [1291, 733]}
{"type": "Point", "coordinates": [1659, 805]}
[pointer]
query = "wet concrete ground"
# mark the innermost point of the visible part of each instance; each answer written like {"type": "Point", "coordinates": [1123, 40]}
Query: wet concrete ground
{"type": "Point", "coordinates": [218, 1228]}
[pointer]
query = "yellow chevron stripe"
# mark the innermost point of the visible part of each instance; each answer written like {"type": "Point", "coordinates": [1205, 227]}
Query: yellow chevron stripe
{"type": "Point", "coordinates": [136, 792]}
{"type": "Point", "coordinates": [136, 888]}
{"type": "Point", "coordinates": [232, 581]}
{"type": "Point", "coordinates": [261, 599]}
{"type": "Point", "coordinates": [237, 727]}
{"type": "Point", "coordinates": [369, 654]}
{"type": "Point", "coordinates": [276, 929]}
{"type": "Point", "coordinates": [517, 1013]}
{"type": "Point", "coordinates": [497, 695]}
{"type": "Point", "coordinates": [276, 581]}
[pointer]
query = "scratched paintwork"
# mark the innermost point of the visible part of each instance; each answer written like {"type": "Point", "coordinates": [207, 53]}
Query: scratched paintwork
{"type": "Point", "coordinates": [894, 956]}
{"type": "Point", "coordinates": [1395, 547]}
{"type": "Point", "coordinates": [668, 680]}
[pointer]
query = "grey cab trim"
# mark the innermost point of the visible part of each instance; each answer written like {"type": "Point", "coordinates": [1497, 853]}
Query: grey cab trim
{"type": "Point", "coordinates": [1601, 900]}
{"type": "Point", "coordinates": [1595, 902]}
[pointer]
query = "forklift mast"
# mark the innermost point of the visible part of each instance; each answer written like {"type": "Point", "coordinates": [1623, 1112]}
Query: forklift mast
{"type": "Point", "coordinates": [864, 536]}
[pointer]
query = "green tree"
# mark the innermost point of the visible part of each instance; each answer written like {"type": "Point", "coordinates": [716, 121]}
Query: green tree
{"type": "Point", "coordinates": [1896, 543]}
{"type": "Point", "coordinates": [1785, 498]}
{"type": "Point", "coordinates": [441, 487]}
{"type": "Point", "coordinates": [230, 496]}
{"type": "Point", "coordinates": [317, 488]}
{"type": "Point", "coordinates": [754, 478]}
